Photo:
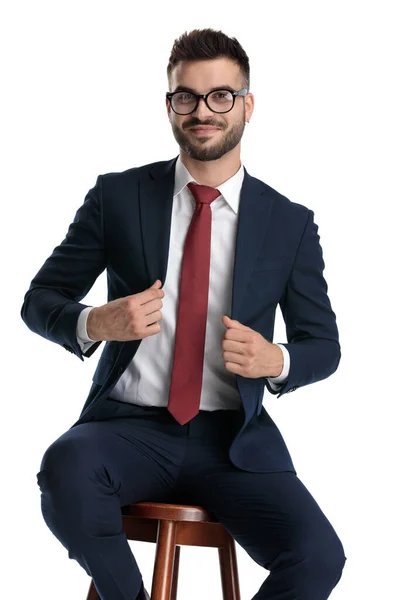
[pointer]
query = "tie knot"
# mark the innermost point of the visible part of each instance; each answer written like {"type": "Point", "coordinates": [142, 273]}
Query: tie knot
{"type": "Point", "coordinates": [203, 194]}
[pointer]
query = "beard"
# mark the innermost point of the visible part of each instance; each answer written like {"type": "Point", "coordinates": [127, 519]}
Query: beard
{"type": "Point", "coordinates": [205, 149]}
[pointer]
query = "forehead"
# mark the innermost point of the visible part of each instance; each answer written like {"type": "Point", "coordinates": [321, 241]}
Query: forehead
{"type": "Point", "coordinates": [203, 75]}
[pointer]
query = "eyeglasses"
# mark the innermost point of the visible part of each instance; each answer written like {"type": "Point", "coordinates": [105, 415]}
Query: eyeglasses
{"type": "Point", "coordinates": [219, 101]}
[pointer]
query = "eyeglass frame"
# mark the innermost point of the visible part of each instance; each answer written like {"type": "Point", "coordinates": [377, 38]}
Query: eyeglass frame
{"type": "Point", "coordinates": [235, 93]}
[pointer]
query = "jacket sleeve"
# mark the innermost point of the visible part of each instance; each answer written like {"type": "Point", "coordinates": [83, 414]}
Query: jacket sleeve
{"type": "Point", "coordinates": [312, 334]}
{"type": "Point", "coordinates": [51, 305]}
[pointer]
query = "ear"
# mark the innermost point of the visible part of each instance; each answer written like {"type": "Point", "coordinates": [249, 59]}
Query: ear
{"type": "Point", "coordinates": [249, 106]}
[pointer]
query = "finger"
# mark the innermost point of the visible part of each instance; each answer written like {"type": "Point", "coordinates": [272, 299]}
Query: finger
{"type": "Point", "coordinates": [238, 324]}
{"type": "Point", "coordinates": [234, 368]}
{"type": "Point", "coordinates": [233, 357]}
{"type": "Point", "coordinates": [238, 335]}
{"type": "Point", "coordinates": [232, 346]}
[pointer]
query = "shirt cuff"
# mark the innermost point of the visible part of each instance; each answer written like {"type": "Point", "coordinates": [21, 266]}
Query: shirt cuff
{"type": "Point", "coordinates": [84, 341]}
{"type": "Point", "coordinates": [277, 382]}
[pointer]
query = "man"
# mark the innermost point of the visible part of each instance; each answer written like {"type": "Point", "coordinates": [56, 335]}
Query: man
{"type": "Point", "coordinates": [182, 418]}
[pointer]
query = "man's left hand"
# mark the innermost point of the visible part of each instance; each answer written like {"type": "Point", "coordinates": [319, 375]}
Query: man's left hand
{"type": "Point", "coordinates": [248, 353]}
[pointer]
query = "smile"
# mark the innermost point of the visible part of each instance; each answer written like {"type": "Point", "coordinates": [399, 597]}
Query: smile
{"type": "Point", "coordinates": [204, 130]}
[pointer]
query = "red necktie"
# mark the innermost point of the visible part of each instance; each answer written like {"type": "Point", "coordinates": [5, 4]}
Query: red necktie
{"type": "Point", "coordinates": [187, 370]}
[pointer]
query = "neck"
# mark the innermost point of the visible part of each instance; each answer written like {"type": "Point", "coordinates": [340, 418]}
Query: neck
{"type": "Point", "coordinates": [212, 172]}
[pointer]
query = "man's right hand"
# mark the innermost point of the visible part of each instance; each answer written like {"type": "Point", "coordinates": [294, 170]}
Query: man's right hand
{"type": "Point", "coordinates": [131, 318]}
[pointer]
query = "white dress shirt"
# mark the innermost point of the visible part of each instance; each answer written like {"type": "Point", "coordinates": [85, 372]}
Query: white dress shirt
{"type": "Point", "coordinates": [146, 380]}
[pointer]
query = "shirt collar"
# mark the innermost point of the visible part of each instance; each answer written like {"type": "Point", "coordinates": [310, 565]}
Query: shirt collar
{"type": "Point", "coordinates": [230, 189]}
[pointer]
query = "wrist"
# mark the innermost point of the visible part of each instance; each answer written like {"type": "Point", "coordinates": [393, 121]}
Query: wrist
{"type": "Point", "coordinates": [278, 362]}
{"type": "Point", "coordinates": [93, 325]}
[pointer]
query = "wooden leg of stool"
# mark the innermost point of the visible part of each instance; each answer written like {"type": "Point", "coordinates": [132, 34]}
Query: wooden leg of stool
{"type": "Point", "coordinates": [164, 561]}
{"type": "Point", "coordinates": [92, 595]}
{"type": "Point", "coordinates": [174, 589]}
{"type": "Point", "coordinates": [229, 571]}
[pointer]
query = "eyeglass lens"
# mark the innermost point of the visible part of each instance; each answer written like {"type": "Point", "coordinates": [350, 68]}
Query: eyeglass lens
{"type": "Point", "coordinates": [218, 101]}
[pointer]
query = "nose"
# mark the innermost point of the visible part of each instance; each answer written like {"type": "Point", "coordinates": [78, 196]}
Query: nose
{"type": "Point", "coordinates": [202, 110]}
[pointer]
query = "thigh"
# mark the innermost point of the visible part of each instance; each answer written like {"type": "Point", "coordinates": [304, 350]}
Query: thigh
{"type": "Point", "coordinates": [130, 458]}
{"type": "Point", "coordinates": [271, 515]}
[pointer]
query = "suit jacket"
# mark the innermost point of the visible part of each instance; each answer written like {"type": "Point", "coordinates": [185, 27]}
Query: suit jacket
{"type": "Point", "coordinates": [124, 226]}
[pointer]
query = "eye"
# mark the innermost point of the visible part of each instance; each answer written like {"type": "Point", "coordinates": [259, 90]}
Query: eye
{"type": "Point", "coordinates": [222, 96]}
{"type": "Point", "coordinates": [183, 97]}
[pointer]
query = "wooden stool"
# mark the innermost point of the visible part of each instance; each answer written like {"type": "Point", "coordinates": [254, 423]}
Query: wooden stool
{"type": "Point", "coordinates": [171, 526]}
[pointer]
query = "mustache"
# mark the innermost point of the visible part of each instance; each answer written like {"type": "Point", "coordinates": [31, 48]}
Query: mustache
{"type": "Point", "coordinates": [198, 124]}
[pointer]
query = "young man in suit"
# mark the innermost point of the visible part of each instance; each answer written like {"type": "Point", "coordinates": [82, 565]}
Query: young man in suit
{"type": "Point", "coordinates": [181, 418]}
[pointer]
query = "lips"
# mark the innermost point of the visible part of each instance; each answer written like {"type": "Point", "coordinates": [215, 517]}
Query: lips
{"type": "Point", "coordinates": [204, 130]}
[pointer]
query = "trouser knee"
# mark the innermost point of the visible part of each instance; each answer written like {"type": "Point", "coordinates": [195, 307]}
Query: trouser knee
{"type": "Point", "coordinates": [327, 562]}
{"type": "Point", "coordinates": [76, 493]}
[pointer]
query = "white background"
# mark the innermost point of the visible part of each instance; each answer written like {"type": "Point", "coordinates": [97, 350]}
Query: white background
{"type": "Point", "coordinates": [84, 87]}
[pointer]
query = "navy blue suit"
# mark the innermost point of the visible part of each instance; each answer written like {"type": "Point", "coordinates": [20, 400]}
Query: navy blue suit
{"type": "Point", "coordinates": [278, 259]}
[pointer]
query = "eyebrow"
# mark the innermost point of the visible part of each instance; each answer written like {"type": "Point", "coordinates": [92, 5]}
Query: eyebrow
{"type": "Point", "coordinates": [182, 88]}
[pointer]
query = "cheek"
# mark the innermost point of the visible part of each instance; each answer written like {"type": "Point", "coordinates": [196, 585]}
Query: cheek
{"type": "Point", "coordinates": [182, 123]}
{"type": "Point", "coordinates": [224, 125]}
{"type": "Point", "coordinates": [176, 122]}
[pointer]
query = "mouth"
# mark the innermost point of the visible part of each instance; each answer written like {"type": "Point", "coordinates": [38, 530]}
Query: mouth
{"type": "Point", "coordinates": [204, 130]}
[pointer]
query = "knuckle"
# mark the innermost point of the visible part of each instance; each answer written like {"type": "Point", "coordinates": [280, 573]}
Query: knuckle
{"type": "Point", "coordinates": [135, 323]}
{"type": "Point", "coordinates": [131, 304]}
{"type": "Point", "coordinates": [134, 330]}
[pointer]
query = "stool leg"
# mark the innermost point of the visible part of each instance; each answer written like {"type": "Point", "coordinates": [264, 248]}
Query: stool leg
{"type": "Point", "coordinates": [229, 571]}
{"type": "Point", "coordinates": [174, 589]}
{"type": "Point", "coordinates": [164, 561]}
{"type": "Point", "coordinates": [92, 595]}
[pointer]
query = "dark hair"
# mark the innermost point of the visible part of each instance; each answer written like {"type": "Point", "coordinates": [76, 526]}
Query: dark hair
{"type": "Point", "coordinates": [203, 44]}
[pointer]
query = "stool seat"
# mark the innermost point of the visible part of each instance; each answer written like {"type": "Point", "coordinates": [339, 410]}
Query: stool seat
{"type": "Point", "coordinates": [169, 512]}
{"type": "Point", "coordinates": [171, 526]}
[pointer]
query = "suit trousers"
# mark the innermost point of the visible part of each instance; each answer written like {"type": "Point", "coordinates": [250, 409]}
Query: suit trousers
{"type": "Point", "coordinates": [95, 468]}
